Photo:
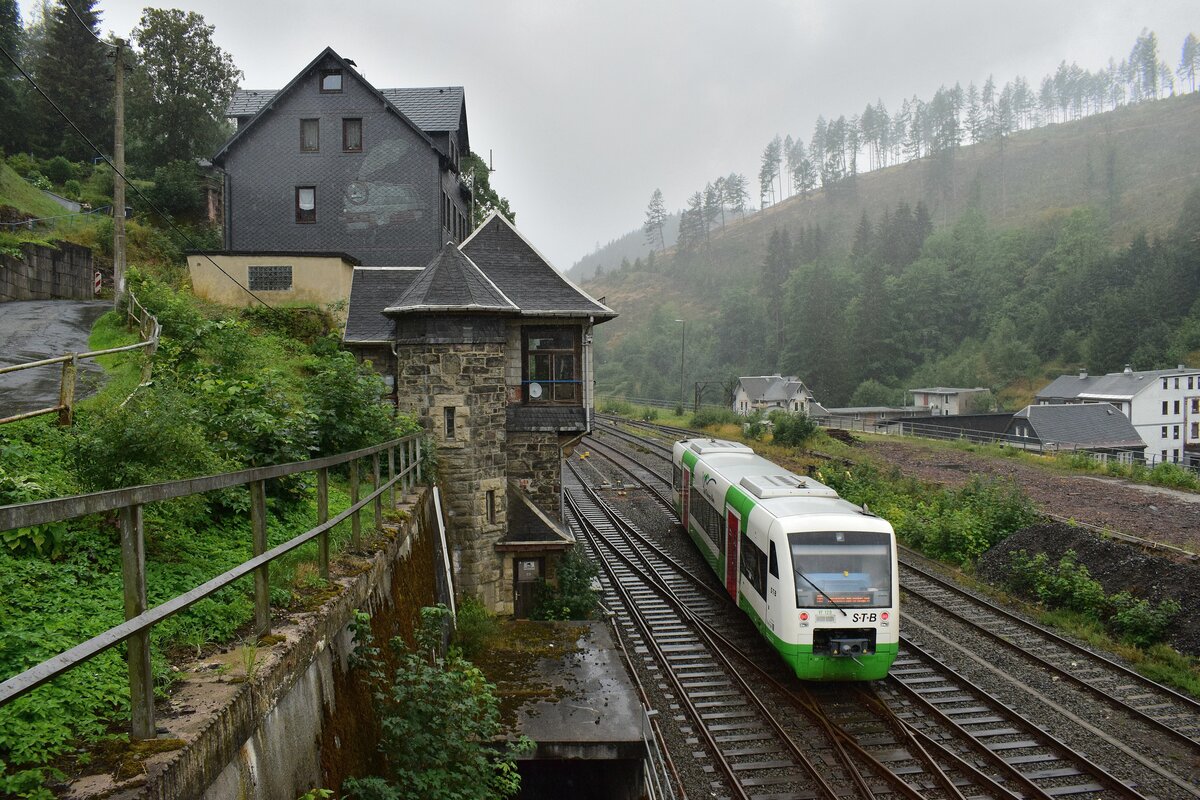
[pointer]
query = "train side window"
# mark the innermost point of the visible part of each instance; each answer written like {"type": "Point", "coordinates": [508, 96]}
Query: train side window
{"type": "Point", "coordinates": [774, 568]}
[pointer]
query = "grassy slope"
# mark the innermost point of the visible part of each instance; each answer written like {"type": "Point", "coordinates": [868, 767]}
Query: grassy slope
{"type": "Point", "coordinates": [16, 192]}
{"type": "Point", "coordinates": [1153, 149]}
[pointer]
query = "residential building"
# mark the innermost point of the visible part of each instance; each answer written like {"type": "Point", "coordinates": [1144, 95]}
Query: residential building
{"type": "Point", "coordinates": [331, 164]}
{"type": "Point", "coordinates": [944, 401]}
{"type": "Point", "coordinates": [491, 348]}
{"type": "Point", "coordinates": [1163, 405]}
{"type": "Point", "coordinates": [770, 392]}
{"type": "Point", "coordinates": [1092, 427]}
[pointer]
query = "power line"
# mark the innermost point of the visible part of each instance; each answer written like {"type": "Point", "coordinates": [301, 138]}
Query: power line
{"type": "Point", "coordinates": [165, 217]}
{"type": "Point", "coordinates": [86, 27]}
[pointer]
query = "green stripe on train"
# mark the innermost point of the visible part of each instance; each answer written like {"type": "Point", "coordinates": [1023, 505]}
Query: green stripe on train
{"type": "Point", "coordinates": [819, 667]}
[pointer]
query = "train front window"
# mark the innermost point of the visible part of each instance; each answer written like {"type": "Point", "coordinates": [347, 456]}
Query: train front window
{"type": "Point", "coordinates": [842, 568]}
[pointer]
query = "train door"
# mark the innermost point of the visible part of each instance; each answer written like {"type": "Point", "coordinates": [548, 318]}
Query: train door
{"type": "Point", "coordinates": [733, 529]}
{"type": "Point", "coordinates": [684, 497]}
{"type": "Point", "coordinates": [772, 588]}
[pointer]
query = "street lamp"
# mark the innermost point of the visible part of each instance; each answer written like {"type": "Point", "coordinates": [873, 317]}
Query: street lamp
{"type": "Point", "coordinates": [682, 352]}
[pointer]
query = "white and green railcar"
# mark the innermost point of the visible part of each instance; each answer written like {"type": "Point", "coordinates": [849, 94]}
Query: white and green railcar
{"type": "Point", "coordinates": [816, 573]}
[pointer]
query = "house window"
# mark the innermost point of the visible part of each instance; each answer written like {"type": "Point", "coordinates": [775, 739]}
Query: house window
{"type": "Point", "coordinates": [310, 135]}
{"type": "Point", "coordinates": [1189, 381]}
{"type": "Point", "coordinates": [1175, 432]}
{"type": "Point", "coordinates": [1165, 412]}
{"type": "Point", "coordinates": [1164, 383]}
{"type": "Point", "coordinates": [331, 80]}
{"type": "Point", "coordinates": [1176, 406]}
{"type": "Point", "coordinates": [1195, 430]}
{"type": "Point", "coordinates": [1196, 405]}
{"type": "Point", "coordinates": [550, 365]}
{"type": "Point", "coordinates": [1177, 383]}
{"type": "Point", "coordinates": [306, 204]}
{"type": "Point", "coordinates": [270, 279]}
{"type": "Point", "coordinates": [352, 135]}
{"type": "Point", "coordinates": [1175, 456]}
{"type": "Point", "coordinates": [1164, 431]}
{"type": "Point", "coordinates": [448, 416]}
{"type": "Point", "coordinates": [491, 506]}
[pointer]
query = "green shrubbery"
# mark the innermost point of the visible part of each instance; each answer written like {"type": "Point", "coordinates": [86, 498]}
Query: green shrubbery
{"type": "Point", "coordinates": [957, 525]}
{"type": "Point", "coordinates": [709, 417]}
{"type": "Point", "coordinates": [792, 429]}
{"type": "Point", "coordinates": [1069, 585]}
{"type": "Point", "coordinates": [223, 397]}
{"type": "Point", "coordinates": [439, 717]}
{"type": "Point", "coordinates": [574, 597]}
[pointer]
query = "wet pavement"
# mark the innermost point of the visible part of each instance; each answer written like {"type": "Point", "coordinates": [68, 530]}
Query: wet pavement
{"type": "Point", "coordinates": [31, 330]}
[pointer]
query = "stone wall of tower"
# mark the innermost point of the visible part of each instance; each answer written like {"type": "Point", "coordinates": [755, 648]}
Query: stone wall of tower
{"type": "Point", "coordinates": [534, 462]}
{"type": "Point", "coordinates": [457, 391]}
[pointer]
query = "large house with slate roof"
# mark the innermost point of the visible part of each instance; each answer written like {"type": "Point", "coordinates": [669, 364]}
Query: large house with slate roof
{"type": "Point", "coordinates": [769, 392]}
{"type": "Point", "coordinates": [490, 347]}
{"type": "Point", "coordinates": [331, 164]}
{"type": "Point", "coordinates": [1092, 427]}
{"type": "Point", "coordinates": [1163, 405]}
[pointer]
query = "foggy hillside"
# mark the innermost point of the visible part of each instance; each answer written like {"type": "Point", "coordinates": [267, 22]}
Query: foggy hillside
{"type": "Point", "coordinates": [629, 247]}
{"type": "Point", "coordinates": [1105, 180]}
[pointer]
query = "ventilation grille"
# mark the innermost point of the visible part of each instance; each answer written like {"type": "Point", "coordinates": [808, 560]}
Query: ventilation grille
{"type": "Point", "coordinates": [784, 485]}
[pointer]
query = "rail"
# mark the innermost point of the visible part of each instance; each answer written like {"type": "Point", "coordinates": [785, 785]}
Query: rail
{"type": "Point", "coordinates": [149, 331]}
{"type": "Point", "coordinates": [139, 620]}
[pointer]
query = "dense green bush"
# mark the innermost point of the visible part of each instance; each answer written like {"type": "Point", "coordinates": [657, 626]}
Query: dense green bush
{"type": "Point", "coordinates": [1066, 584]}
{"type": "Point", "coordinates": [792, 429]}
{"type": "Point", "coordinates": [439, 718]}
{"type": "Point", "coordinates": [59, 170]}
{"type": "Point", "coordinates": [176, 188]}
{"type": "Point", "coordinates": [957, 525]}
{"type": "Point", "coordinates": [574, 596]}
{"type": "Point", "coordinates": [347, 402]}
{"type": "Point", "coordinates": [473, 626]}
{"type": "Point", "coordinates": [1137, 621]}
{"type": "Point", "coordinates": [305, 323]}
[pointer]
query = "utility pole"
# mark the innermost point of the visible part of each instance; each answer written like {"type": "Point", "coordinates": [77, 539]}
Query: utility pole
{"type": "Point", "coordinates": [119, 179]}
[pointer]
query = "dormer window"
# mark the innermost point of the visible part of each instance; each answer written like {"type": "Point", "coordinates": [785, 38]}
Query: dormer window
{"type": "Point", "coordinates": [331, 80]}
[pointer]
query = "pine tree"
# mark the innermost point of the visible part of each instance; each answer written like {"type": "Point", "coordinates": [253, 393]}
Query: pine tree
{"type": "Point", "coordinates": [76, 74]}
{"type": "Point", "coordinates": [1189, 61]}
{"type": "Point", "coordinates": [656, 217]}
{"type": "Point", "coordinates": [14, 122]}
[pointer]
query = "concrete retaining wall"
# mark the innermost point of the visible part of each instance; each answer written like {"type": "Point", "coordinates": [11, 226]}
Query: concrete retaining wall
{"type": "Point", "coordinates": [304, 721]}
{"type": "Point", "coordinates": [63, 272]}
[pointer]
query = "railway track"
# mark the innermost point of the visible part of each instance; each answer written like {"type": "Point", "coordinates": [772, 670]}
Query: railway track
{"type": "Point", "coordinates": [993, 735]}
{"type": "Point", "coordinates": [672, 615]}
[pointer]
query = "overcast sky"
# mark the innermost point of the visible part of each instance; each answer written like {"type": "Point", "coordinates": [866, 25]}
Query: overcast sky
{"type": "Point", "coordinates": [587, 107]}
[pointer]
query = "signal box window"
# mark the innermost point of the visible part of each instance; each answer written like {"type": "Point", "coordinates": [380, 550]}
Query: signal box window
{"type": "Point", "coordinates": [550, 365]}
{"type": "Point", "coordinates": [331, 80]}
{"type": "Point", "coordinates": [306, 204]}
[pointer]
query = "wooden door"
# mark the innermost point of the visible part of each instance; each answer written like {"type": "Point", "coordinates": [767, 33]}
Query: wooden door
{"type": "Point", "coordinates": [527, 573]}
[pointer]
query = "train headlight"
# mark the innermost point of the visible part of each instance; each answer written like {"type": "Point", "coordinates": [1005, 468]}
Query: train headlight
{"type": "Point", "coordinates": [804, 616]}
{"type": "Point", "coordinates": [884, 616]}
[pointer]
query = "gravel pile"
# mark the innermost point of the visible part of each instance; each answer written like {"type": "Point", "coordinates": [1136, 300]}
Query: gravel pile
{"type": "Point", "coordinates": [1116, 565]}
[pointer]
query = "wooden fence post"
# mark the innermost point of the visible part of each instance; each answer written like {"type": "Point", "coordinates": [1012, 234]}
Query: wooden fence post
{"type": "Point", "coordinates": [417, 461]}
{"type": "Point", "coordinates": [375, 487]}
{"type": "Point", "coordinates": [66, 392]}
{"type": "Point", "coordinates": [404, 468]}
{"type": "Point", "coordinates": [355, 523]}
{"type": "Point", "coordinates": [262, 575]}
{"type": "Point", "coordinates": [392, 474]}
{"type": "Point", "coordinates": [322, 518]}
{"type": "Point", "coordinates": [133, 578]}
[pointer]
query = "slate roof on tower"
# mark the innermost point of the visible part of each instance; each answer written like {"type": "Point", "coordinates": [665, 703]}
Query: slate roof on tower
{"type": "Point", "coordinates": [372, 290]}
{"type": "Point", "coordinates": [452, 283]}
{"type": "Point", "coordinates": [525, 276]}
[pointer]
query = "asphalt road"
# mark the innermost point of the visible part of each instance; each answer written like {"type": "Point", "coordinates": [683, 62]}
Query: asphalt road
{"type": "Point", "coordinates": [31, 330]}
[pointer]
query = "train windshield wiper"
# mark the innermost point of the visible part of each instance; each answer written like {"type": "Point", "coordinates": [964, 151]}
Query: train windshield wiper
{"type": "Point", "coordinates": [822, 591]}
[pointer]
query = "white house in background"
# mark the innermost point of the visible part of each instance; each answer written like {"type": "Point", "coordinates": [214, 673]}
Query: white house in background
{"type": "Point", "coordinates": [770, 392]}
{"type": "Point", "coordinates": [941, 401]}
{"type": "Point", "coordinates": [1163, 405]}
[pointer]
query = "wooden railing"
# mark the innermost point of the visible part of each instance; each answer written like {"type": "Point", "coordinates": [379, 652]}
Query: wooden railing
{"type": "Point", "coordinates": [128, 503]}
{"type": "Point", "coordinates": [149, 331]}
